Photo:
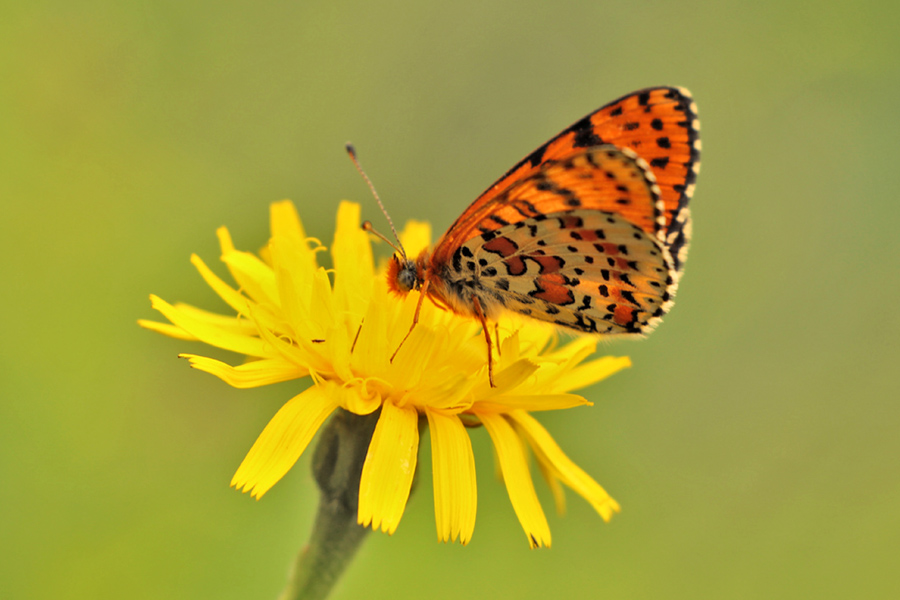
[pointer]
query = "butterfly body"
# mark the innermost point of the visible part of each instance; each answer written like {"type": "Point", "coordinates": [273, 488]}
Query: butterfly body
{"type": "Point", "coordinates": [589, 232]}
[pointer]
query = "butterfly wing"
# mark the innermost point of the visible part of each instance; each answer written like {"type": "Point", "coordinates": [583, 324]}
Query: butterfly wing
{"type": "Point", "coordinates": [578, 242]}
{"type": "Point", "coordinates": [659, 124]}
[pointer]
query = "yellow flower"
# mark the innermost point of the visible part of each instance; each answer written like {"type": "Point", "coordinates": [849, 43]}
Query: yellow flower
{"type": "Point", "coordinates": [340, 326]}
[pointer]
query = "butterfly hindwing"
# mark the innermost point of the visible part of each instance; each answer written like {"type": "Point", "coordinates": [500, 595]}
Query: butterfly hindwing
{"type": "Point", "coordinates": [578, 242]}
{"type": "Point", "coordinates": [589, 270]}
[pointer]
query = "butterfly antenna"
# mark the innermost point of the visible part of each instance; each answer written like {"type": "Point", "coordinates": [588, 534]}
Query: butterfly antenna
{"type": "Point", "coordinates": [367, 225]}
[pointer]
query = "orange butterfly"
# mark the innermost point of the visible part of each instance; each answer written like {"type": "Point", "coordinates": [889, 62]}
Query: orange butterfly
{"type": "Point", "coordinates": [589, 232]}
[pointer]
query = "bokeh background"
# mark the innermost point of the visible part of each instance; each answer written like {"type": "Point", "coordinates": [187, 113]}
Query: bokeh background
{"type": "Point", "coordinates": [754, 445]}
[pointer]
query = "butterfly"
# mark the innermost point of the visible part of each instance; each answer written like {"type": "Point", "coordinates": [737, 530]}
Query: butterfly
{"type": "Point", "coordinates": [589, 232]}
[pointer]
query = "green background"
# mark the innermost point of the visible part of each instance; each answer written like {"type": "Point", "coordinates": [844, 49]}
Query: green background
{"type": "Point", "coordinates": [754, 444]}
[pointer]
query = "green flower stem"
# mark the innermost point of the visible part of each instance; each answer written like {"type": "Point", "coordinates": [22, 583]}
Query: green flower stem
{"type": "Point", "coordinates": [337, 466]}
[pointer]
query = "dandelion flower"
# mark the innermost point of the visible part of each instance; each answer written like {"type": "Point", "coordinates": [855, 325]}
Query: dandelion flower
{"type": "Point", "coordinates": [339, 327]}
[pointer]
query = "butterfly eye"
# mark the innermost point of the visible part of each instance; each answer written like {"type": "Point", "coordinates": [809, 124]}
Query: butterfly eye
{"type": "Point", "coordinates": [407, 276]}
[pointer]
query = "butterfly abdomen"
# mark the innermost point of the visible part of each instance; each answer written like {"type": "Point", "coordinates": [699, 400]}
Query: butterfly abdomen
{"type": "Point", "coordinates": [457, 290]}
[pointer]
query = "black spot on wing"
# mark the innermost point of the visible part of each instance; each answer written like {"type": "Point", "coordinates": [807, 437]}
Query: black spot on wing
{"type": "Point", "coordinates": [586, 323]}
{"type": "Point", "coordinates": [584, 134]}
{"type": "Point", "coordinates": [677, 244]}
{"type": "Point", "coordinates": [537, 156]}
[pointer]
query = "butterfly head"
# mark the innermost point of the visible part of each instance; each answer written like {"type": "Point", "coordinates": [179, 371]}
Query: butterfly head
{"type": "Point", "coordinates": [404, 275]}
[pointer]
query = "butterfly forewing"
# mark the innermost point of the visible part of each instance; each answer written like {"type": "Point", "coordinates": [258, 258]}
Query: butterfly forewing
{"type": "Point", "coordinates": [603, 178]}
{"type": "Point", "coordinates": [659, 124]}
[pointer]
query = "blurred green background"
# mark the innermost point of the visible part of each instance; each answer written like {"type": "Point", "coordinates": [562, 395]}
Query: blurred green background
{"type": "Point", "coordinates": [755, 444]}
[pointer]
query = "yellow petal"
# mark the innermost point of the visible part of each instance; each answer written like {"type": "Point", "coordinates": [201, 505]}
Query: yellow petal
{"type": "Point", "coordinates": [353, 264]}
{"type": "Point", "coordinates": [285, 224]}
{"type": "Point", "coordinates": [389, 468]}
{"type": "Point", "coordinates": [284, 220]}
{"type": "Point", "coordinates": [359, 398]}
{"type": "Point", "coordinates": [231, 296]}
{"type": "Point", "coordinates": [338, 345]}
{"type": "Point", "coordinates": [592, 372]}
{"type": "Point", "coordinates": [416, 236]}
{"type": "Point", "coordinates": [322, 306]}
{"type": "Point", "coordinates": [573, 351]}
{"type": "Point", "coordinates": [506, 379]}
{"type": "Point", "coordinates": [237, 301]}
{"type": "Point", "coordinates": [453, 463]}
{"type": "Point", "coordinates": [166, 329]}
{"type": "Point", "coordinates": [549, 453]}
{"type": "Point", "coordinates": [296, 290]}
{"type": "Point", "coordinates": [232, 323]}
{"type": "Point", "coordinates": [373, 351]}
{"type": "Point", "coordinates": [514, 466]}
{"type": "Point", "coordinates": [530, 336]}
{"type": "Point", "coordinates": [446, 389]}
{"type": "Point", "coordinates": [294, 293]}
{"type": "Point", "coordinates": [210, 334]}
{"type": "Point", "coordinates": [252, 374]}
{"type": "Point", "coordinates": [283, 440]}
{"type": "Point", "coordinates": [411, 363]}
{"type": "Point", "coordinates": [532, 402]}
{"type": "Point", "coordinates": [254, 276]}
{"type": "Point", "coordinates": [292, 258]}
{"type": "Point", "coordinates": [300, 351]}
{"type": "Point", "coordinates": [559, 493]}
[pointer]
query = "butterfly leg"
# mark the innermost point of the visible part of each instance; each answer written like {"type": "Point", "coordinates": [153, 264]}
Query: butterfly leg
{"type": "Point", "coordinates": [415, 321]}
{"type": "Point", "coordinates": [487, 336]}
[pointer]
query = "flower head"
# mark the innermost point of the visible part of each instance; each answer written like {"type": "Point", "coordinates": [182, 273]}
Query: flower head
{"type": "Point", "coordinates": [340, 326]}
